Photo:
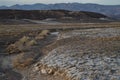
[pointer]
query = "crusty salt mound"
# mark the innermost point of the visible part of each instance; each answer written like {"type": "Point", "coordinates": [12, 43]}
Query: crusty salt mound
{"type": "Point", "coordinates": [90, 54]}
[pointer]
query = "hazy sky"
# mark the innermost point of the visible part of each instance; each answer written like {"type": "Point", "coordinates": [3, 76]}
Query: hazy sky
{"type": "Point", "coordinates": [12, 2]}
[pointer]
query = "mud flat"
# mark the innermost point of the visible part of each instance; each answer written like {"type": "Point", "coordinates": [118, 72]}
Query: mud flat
{"type": "Point", "coordinates": [88, 54]}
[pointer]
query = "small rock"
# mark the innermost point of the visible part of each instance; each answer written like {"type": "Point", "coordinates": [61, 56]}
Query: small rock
{"type": "Point", "coordinates": [50, 71]}
{"type": "Point", "coordinates": [43, 71]}
{"type": "Point", "coordinates": [36, 69]}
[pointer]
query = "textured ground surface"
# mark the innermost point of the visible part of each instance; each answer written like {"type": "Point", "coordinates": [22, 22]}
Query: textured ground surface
{"type": "Point", "coordinates": [90, 54]}
{"type": "Point", "coordinates": [15, 64]}
{"type": "Point", "coordinates": [83, 54]}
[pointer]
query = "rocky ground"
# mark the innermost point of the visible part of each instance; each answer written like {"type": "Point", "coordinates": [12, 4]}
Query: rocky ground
{"type": "Point", "coordinates": [84, 54]}
{"type": "Point", "coordinates": [90, 54]}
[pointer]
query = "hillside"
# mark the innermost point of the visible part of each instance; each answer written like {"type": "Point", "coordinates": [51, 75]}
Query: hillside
{"type": "Point", "coordinates": [51, 15]}
{"type": "Point", "coordinates": [110, 10]}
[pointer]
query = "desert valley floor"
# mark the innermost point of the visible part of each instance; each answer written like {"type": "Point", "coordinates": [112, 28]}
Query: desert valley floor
{"type": "Point", "coordinates": [80, 51]}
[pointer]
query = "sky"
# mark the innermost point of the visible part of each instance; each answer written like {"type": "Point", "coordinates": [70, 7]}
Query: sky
{"type": "Point", "coordinates": [13, 2]}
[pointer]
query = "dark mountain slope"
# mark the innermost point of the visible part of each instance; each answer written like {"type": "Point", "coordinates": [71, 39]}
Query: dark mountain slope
{"type": "Point", "coordinates": [109, 10]}
{"type": "Point", "coordinates": [45, 14]}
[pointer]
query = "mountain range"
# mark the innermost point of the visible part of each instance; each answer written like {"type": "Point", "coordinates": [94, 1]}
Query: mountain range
{"type": "Point", "coordinates": [109, 10]}
{"type": "Point", "coordinates": [51, 15]}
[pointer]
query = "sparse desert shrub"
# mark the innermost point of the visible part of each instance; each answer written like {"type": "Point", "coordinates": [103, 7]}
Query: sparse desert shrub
{"type": "Point", "coordinates": [21, 65]}
{"type": "Point", "coordinates": [33, 33]}
{"type": "Point", "coordinates": [31, 43]}
{"type": "Point", "coordinates": [42, 35]}
{"type": "Point", "coordinates": [24, 39]}
{"type": "Point", "coordinates": [19, 46]}
{"type": "Point", "coordinates": [13, 49]}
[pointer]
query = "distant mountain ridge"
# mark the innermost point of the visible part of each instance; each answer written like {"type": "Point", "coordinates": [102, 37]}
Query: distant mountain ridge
{"type": "Point", "coordinates": [49, 14]}
{"type": "Point", "coordinates": [109, 10]}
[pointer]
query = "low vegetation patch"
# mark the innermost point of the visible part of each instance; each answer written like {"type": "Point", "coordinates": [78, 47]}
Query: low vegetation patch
{"type": "Point", "coordinates": [31, 43]}
{"type": "Point", "coordinates": [18, 64]}
{"type": "Point", "coordinates": [42, 34]}
{"type": "Point", "coordinates": [21, 45]}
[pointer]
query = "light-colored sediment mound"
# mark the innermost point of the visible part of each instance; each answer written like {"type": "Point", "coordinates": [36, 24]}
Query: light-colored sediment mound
{"type": "Point", "coordinates": [97, 32]}
{"type": "Point", "coordinates": [90, 54]}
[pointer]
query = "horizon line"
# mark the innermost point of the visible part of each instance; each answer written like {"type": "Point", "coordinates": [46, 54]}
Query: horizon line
{"type": "Point", "coordinates": [61, 3]}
